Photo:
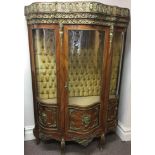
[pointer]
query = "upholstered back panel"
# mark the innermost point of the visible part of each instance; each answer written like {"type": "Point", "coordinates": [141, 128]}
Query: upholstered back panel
{"type": "Point", "coordinates": [85, 62]}
{"type": "Point", "coordinates": [84, 74]}
{"type": "Point", "coordinates": [46, 76]}
{"type": "Point", "coordinates": [45, 59]}
{"type": "Point", "coordinates": [84, 65]}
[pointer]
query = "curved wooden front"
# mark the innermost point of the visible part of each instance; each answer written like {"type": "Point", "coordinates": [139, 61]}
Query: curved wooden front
{"type": "Point", "coordinates": [82, 121]}
{"type": "Point", "coordinates": [48, 116]}
{"type": "Point", "coordinates": [48, 121]}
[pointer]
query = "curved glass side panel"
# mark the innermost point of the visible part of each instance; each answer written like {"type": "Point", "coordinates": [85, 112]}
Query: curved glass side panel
{"type": "Point", "coordinates": [85, 66]}
{"type": "Point", "coordinates": [118, 42]}
{"type": "Point", "coordinates": [45, 60]}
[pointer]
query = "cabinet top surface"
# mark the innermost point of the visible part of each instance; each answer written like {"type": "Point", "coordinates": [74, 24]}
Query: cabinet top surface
{"type": "Point", "coordinates": [71, 7]}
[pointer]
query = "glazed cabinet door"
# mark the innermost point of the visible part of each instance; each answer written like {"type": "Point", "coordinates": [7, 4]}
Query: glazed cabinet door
{"type": "Point", "coordinates": [85, 52]}
{"type": "Point", "coordinates": [45, 71]}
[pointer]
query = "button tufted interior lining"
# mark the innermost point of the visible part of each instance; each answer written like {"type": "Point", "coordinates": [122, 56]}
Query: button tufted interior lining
{"type": "Point", "coordinates": [45, 59]}
{"type": "Point", "coordinates": [85, 64]}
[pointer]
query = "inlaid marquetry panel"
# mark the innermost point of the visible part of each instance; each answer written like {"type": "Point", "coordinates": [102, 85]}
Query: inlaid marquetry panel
{"type": "Point", "coordinates": [83, 120]}
{"type": "Point", "coordinates": [112, 109]}
{"type": "Point", "coordinates": [112, 114]}
{"type": "Point", "coordinates": [111, 125]}
{"type": "Point", "coordinates": [48, 116]}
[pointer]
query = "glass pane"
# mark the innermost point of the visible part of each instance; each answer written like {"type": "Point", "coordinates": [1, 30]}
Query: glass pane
{"type": "Point", "coordinates": [85, 66]}
{"type": "Point", "coordinates": [116, 62]}
{"type": "Point", "coordinates": [45, 59]}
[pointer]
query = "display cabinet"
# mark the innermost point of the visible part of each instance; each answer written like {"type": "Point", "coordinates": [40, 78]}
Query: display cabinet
{"type": "Point", "coordinates": [76, 53]}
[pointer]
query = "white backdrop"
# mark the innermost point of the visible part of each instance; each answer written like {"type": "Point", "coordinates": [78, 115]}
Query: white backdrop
{"type": "Point", "coordinates": [124, 116]}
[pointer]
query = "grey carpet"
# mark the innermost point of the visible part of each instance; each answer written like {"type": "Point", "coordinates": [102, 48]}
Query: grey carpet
{"type": "Point", "coordinates": [113, 146]}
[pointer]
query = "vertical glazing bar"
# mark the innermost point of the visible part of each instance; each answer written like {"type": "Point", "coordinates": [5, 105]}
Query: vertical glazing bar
{"type": "Point", "coordinates": [61, 35]}
{"type": "Point", "coordinates": [111, 37]}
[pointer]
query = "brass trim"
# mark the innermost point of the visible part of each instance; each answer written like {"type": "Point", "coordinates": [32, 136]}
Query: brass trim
{"type": "Point", "coordinates": [67, 7]}
{"type": "Point", "coordinates": [62, 146]}
{"type": "Point", "coordinates": [43, 117]}
{"type": "Point", "coordinates": [76, 13]}
{"type": "Point", "coordinates": [85, 141]}
{"type": "Point", "coordinates": [111, 37]}
{"type": "Point", "coordinates": [95, 125]}
{"type": "Point", "coordinates": [75, 21]}
{"type": "Point", "coordinates": [102, 141]}
{"type": "Point", "coordinates": [61, 34]}
{"type": "Point", "coordinates": [86, 119]}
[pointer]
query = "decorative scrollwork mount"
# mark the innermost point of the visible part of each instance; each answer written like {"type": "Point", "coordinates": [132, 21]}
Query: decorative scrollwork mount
{"type": "Point", "coordinates": [76, 13]}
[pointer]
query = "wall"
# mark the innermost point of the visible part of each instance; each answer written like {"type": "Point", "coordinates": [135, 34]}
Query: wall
{"type": "Point", "coordinates": [124, 119]}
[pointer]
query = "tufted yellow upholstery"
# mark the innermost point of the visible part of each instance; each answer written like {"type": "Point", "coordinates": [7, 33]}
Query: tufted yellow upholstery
{"type": "Point", "coordinates": [84, 65]}
{"type": "Point", "coordinates": [84, 74]}
{"type": "Point", "coordinates": [46, 76]}
{"type": "Point", "coordinates": [45, 59]}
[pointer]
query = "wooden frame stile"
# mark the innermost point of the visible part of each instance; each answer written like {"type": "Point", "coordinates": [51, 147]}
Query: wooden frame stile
{"type": "Point", "coordinates": [65, 70]}
{"type": "Point", "coordinates": [62, 84]}
{"type": "Point", "coordinates": [104, 91]}
{"type": "Point", "coordinates": [62, 76]}
{"type": "Point", "coordinates": [108, 73]}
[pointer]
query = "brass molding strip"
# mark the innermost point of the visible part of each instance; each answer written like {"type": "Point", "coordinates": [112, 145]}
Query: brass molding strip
{"type": "Point", "coordinates": [61, 34]}
{"type": "Point", "coordinates": [111, 37]}
{"type": "Point", "coordinates": [75, 21]}
{"type": "Point", "coordinates": [90, 7]}
{"type": "Point", "coordinates": [76, 13]}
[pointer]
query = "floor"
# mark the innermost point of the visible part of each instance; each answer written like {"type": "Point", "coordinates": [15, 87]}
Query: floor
{"type": "Point", "coordinates": [113, 146]}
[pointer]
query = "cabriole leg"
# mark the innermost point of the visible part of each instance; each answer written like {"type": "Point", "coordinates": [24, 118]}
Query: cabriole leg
{"type": "Point", "coordinates": [102, 142]}
{"type": "Point", "coordinates": [37, 140]}
{"type": "Point", "coordinates": [62, 146]}
{"type": "Point", "coordinates": [36, 134]}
